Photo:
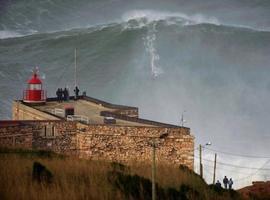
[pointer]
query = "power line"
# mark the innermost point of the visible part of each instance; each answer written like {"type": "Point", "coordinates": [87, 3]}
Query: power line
{"type": "Point", "coordinates": [236, 166]}
{"type": "Point", "coordinates": [233, 171]}
{"type": "Point", "coordinates": [234, 154]}
{"type": "Point", "coordinates": [254, 172]}
{"type": "Point", "coordinates": [246, 177]}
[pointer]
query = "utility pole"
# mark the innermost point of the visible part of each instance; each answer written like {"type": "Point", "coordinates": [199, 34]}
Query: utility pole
{"type": "Point", "coordinates": [154, 145]}
{"type": "Point", "coordinates": [215, 165]}
{"type": "Point", "coordinates": [200, 149]}
{"type": "Point", "coordinates": [201, 167]}
{"type": "Point", "coordinates": [182, 120]}
{"type": "Point", "coordinates": [153, 170]}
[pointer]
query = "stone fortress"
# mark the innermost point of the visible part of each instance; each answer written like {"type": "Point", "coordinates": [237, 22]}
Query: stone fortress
{"type": "Point", "coordinates": [89, 128]}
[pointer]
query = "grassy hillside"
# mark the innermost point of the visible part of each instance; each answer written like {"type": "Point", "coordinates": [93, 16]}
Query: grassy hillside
{"type": "Point", "coordinates": [83, 179]}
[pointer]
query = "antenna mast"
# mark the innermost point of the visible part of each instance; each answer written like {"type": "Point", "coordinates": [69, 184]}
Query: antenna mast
{"type": "Point", "coordinates": [75, 67]}
{"type": "Point", "coordinates": [182, 119]}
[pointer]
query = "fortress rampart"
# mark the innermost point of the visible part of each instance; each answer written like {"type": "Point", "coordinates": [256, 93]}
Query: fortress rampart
{"type": "Point", "coordinates": [123, 144]}
{"type": "Point", "coordinates": [128, 140]}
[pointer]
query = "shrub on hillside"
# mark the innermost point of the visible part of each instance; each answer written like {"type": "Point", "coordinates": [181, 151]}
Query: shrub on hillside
{"type": "Point", "coordinates": [41, 174]}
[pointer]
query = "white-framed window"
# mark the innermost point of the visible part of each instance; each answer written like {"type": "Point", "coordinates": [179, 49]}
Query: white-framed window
{"type": "Point", "coordinates": [35, 87]}
{"type": "Point", "coordinates": [49, 131]}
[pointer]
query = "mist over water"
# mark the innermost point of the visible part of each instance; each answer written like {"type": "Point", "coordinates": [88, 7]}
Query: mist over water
{"type": "Point", "coordinates": [210, 59]}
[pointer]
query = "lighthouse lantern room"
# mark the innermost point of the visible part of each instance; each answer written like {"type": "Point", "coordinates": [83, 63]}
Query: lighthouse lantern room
{"type": "Point", "coordinates": [34, 94]}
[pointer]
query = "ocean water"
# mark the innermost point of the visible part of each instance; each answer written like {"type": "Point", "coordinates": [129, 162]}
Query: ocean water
{"type": "Point", "coordinates": [208, 59]}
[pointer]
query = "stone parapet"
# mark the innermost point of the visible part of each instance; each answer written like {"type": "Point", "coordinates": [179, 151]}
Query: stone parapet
{"type": "Point", "coordinates": [126, 144]}
{"type": "Point", "coordinates": [16, 136]}
{"type": "Point", "coordinates": [174, 145]}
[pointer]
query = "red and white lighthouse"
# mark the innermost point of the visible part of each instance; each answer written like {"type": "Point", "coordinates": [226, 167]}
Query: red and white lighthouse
{"type": "Point", "coordinates": [34, 93]}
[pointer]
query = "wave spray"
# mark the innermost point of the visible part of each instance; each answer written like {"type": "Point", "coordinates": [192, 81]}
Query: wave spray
{"type": "Point", "coordinates": [149, 43]}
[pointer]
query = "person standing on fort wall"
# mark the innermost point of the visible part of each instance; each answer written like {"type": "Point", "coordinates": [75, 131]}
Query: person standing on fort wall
{"type": "Point", "coordinates": [61, 94]}
{"type": "Point", "coordinates": [66, 94]}
{"type": "Point", "coordinates": [76, 91]}
{"type": "Point", "coordinates": [58, 94]}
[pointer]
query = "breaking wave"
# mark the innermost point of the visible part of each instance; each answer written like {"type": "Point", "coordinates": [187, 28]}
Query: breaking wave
{"type": "Point", "coordinates": [9, 34]}
{"type": "Point", "coordinates": [133, 19]}
{"type": "Point", "coordinates": [149, 16]}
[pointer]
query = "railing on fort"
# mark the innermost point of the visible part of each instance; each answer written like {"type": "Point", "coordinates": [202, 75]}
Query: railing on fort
{"type": "Point", "coordinates": [79, 118]}
{"type": "Point", "coordinates": [57, 111]}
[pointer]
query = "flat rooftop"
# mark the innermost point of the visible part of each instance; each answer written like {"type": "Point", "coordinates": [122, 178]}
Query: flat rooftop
{"type": "Point", "coordinates": [93, 111]}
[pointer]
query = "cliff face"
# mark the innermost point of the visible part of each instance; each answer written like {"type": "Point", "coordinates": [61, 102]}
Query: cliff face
{"type": "Point", "coordinates": [258, 190]}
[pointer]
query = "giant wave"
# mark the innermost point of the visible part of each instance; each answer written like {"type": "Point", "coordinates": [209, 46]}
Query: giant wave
{"type": "Point", "coordinates": [162, 62]}
{"type": "Point", "coordinates": [136, 19]}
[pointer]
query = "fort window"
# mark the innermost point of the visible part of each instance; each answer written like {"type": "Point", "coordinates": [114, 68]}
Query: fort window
{"type": "Point", "coordinates": [42, 131]}
{"type": "Point", "coordinates": [49, 131]}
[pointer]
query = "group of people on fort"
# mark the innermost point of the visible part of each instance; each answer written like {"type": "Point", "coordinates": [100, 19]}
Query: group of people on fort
{"type": "Point", "coordinates": [227, 183]}
{"type": "Point", "coordinates": [63, 94]}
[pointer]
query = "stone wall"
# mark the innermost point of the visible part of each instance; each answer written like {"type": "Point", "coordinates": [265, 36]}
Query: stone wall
{"type": "Point", "coordinates": [106, 142]}
{"type": "Point", "coordinates": [57, 136]}
{"type": "Point", "coordinates": [128, 144]}
{"type": "Point", "coordinates": [24, 112]}
{"type": "Point", "coordinates": [16, 136]}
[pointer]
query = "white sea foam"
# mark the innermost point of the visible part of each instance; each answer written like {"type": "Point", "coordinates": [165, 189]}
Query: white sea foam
{"type": "Point", "coordinates": [149, 43]}
{"type": "Point", "coordinates": [13, 34]}
{"type": "Point", "coordinates": [145, 17]}
{"type": "Point", "coordinates": [9, 34]}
